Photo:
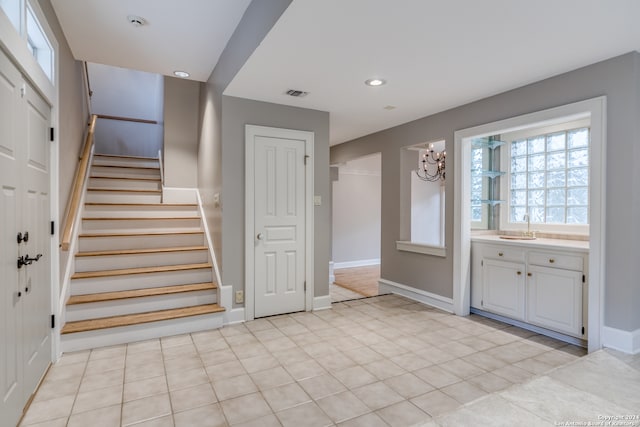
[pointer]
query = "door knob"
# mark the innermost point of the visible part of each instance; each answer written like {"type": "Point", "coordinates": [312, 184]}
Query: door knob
{"type": "Point", "coordinates": [259, 236]}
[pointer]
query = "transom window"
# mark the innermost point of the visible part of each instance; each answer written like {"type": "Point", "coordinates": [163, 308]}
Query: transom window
{"type": "Point", "coordinates": [549, 178]}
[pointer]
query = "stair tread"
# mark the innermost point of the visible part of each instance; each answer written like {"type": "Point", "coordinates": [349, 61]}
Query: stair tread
{"type": "Point", "coordinates": [122, 156]}
{"type": "Point", "coordinates": [129, 218]}
{"type": "Point", "coordinates": [137, 293]}
{"type": "Point", "coordinates": [142, 251]}
{"type": "Point", "coordinates": [139, 318]}
{"type": "Point", "coordinates": [125, 178]}
{"type": "Point", "coordinates": [124, 190]}
{"type": "Point", "coordinates": [146, 233]}
{"type": "Point", "coordinates": [140, 204]}
{"type": "Point", "coordinates": [139, 270]}
{"type": "Point", "coordinates": [126, 166]}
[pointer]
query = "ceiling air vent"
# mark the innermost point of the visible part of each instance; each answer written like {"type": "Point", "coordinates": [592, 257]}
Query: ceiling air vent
{"type": "Point", "coordinates": [297, 93]}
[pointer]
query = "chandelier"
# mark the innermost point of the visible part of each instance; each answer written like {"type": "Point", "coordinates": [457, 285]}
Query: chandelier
{"type": "Point", "coordinates": [431, 168]}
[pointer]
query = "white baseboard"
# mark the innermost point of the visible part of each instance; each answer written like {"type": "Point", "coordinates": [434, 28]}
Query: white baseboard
{"type": "Point", "coordinates": [443, 303]}
{"type": "Point", "coordinates": [357, 263]}
{"type": "Point", "coordinates": [233, 316]}
{"type": "Point", "coordinates": [332, 276]}
{"type": "Point", "coordinates": [627, 342]}
{"type": "Point", "coordinates": [322, 303]}
{"type": "Point", "coordinates": [179, 195]}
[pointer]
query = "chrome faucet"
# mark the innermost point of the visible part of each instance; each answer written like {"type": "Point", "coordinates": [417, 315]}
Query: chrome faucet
{"type": "Point", "coordinates": [528, 233]}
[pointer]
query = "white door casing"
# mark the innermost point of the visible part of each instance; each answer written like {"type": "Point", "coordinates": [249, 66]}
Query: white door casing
{"type": "Point", "coordinates": [279, 221]}
{"type": "Point", "coordinates": [25, 293]}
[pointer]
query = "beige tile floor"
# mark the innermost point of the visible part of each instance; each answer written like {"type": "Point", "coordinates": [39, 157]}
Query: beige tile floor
{"type": "Point", "coordinates": [382, 361]}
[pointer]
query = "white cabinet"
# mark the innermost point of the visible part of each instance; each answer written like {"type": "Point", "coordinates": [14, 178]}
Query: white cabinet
{"type": "Point", "coordinates": [503, 292]}
{"type": "Point", "coordinates": [554, 299]}
{"type": "Point", "coordinates": [523, 282]}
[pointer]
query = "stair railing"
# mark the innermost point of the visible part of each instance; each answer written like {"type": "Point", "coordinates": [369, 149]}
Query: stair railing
{"type": "Point", "coordinates": [73, 204]}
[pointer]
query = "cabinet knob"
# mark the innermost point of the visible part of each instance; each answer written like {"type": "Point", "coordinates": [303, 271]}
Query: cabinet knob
{"type": "Point", "coordinates": [519, 273]}
{"type": "Point", "coordinates": [529, 274]}
{"type": "Point", "coordinates": [500, 254]}
{"type": "Point", "coordinates": [551, 260]}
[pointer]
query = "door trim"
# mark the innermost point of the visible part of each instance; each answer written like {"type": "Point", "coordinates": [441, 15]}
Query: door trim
{"type": "Point", "coordinates": [251, 131]}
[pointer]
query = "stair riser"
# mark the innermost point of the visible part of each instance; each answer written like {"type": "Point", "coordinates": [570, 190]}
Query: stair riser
{"type": "Point", "coordinates": [112, 161]}
{"type": "Point", "coordinates": [121, 211]}
{"type": "Point", "coordinates": [134, 333]}
{"type": "Point", "coordinates": [142, 225]}
{"type": "Point", "coordinates": [139, 281]}
{"type": "Point", "coordinates": [110, 197]}
{"type": "Point", "coordinates": [107, 243]}
{"type": "Point", "coordinates": [123, 184]}
{"type": "Point", "coordinates": [138, 305]}
{"type": "Point", "coordinates": [116, 262]}
{"type": "Point", "coordinates": [118, 172]}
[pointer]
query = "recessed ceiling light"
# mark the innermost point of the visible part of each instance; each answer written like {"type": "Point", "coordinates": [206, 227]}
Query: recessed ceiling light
{"type": "Point", "coordinates": [375, 82]}
{"type": "Point", "coordinates": [136, 21]}
{"type": "Point", "coordinates": [390, 107]}
{"type": "Point", "coordinates": [181, 74]}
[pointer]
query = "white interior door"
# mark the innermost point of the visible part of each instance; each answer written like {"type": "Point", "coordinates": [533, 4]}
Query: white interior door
{"type": "Point", "coordinates": [25, 292]}
{"type": "Point", "coordinates": [11, 359]}
{"type": "Point", "coordinates": [279, 222]}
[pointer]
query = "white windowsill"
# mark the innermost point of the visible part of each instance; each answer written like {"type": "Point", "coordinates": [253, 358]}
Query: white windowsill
{"type": "Point", "coordinates": [420, 248]}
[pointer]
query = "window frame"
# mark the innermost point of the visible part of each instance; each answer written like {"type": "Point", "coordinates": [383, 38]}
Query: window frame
{"type": "Point", "coordinates": [505, 182]}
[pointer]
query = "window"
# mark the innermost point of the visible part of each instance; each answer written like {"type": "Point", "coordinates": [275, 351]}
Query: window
{"type": "Point", "coordinates": [22, 15]}
{"type": "Point", "coordinates": [479, 187]}
{"type": "Point", "coordinates": [39, 44]}
{"type": "Point", "coordinates": [12, 9]}
{"type": "Point", "coordinates": [549, 180]}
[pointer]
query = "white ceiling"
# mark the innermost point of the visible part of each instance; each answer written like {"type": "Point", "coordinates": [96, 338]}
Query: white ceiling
{"type": "Point", "coordinates": [435, 54]}
{"type": "Point", "coordinates": [184, 35]}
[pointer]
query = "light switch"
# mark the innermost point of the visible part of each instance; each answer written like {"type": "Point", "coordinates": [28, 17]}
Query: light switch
{"type": "Point", "coordinates": [317, 200]}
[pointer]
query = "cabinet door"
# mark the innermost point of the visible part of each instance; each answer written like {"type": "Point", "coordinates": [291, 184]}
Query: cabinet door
{"type": "Point", "coordinates": [554, 299]}
{"type": "Point", "coordinates": [503, 288]}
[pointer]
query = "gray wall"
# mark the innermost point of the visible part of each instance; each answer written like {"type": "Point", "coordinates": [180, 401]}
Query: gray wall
{"type": "Point", "coordinates": [617, 78]}
{"type": "Point", "coordinates": [236, 113]}
{"type": "Point", "coordinates": [181, 112]}
{"type": "Point", "coordinates": [72, 114]}
{"type": "Point", "coordinates": [127, 93]}
{"type": "Point", "coordinates": [256, 22]}
{"type": "Point", "coordinates": [356, 211]}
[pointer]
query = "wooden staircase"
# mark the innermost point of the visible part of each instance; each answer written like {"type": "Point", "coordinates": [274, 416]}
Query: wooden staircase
{"type": "Point", "coordinates": [142, 269]}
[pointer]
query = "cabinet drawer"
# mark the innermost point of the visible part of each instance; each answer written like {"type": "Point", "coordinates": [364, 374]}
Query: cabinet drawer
{"type": "Point", "coordinates": [549, 259]}
{"type": "Point", "coordinates": [503, 253]}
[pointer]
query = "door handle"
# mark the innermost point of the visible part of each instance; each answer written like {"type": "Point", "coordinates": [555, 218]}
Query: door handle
{"type": "Point", "coordinates": [26, 260]}
{"type": "Point", "coordinates": [259, 236]}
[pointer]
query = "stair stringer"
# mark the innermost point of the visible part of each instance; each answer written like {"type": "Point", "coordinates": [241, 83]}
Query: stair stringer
{"type": "Point", "coordinates": [69, 269]}
{"type": "Point", "coordinates": [225, 293]}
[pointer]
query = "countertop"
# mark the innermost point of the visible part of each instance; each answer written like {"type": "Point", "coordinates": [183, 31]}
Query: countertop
{"type": "Point", "coordinates": [539, 243]}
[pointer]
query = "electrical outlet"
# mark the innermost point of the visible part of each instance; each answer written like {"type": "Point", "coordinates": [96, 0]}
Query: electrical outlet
{"type": "Point", "coordinates": [239, 297]}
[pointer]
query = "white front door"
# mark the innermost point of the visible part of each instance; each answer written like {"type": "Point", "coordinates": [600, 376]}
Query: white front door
{"type": "Point", "coordinates": [36, 220]}
{"type": "Point", "coordinates": [25, 292]}
{"type": "Point", "coordinates": [11, 307]}
{"type": "Point", "coordinates": [279, 221]}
